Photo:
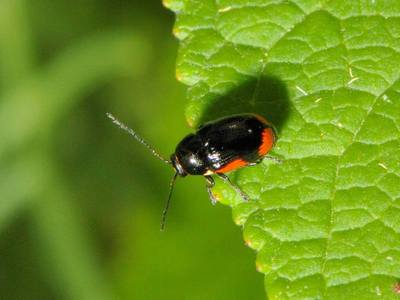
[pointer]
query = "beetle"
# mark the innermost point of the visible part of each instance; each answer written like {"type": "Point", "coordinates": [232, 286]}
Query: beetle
{"type": "Point", "coordinates": [216, 148]}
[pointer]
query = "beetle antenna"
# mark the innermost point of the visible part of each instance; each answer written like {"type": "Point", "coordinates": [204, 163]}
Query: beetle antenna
{"type": "Point", "coordinates": [164, 213]}
{"type": "Point", "coordinates": [137, 137]}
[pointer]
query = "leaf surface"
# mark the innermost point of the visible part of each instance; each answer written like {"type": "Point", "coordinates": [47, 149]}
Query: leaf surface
{"type": "Point", "coordinates": [326, 222]}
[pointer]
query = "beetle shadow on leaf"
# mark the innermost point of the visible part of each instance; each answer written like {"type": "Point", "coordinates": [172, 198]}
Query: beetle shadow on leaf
{"type": "Point", "coordinates": [265, 95]}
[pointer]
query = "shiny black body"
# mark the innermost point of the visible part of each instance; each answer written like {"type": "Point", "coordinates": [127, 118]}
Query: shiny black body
{"type": "Point", "coordinates": [216, 144]}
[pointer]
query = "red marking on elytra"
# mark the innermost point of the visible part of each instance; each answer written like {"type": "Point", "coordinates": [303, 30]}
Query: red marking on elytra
{"type": "Point", "coordinates": [268, 139]}
{"type": "Point", "coordinates": [237, 163]}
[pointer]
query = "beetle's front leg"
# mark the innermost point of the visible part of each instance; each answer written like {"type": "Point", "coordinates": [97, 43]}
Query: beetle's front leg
{"type": "Point", "coordinates": [237, 189]}
{"type": "Point", "coordinates": [210, 184]}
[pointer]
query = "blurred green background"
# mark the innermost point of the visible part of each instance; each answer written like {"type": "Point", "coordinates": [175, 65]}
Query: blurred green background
{"type": "Point", "coordinates": [81, 201]}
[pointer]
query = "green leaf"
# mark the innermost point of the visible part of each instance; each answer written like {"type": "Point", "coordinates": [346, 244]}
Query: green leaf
{"type": "Point", "coordinates": [326, 222]}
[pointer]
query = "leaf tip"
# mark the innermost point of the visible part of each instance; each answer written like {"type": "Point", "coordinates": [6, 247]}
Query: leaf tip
{"type": "Point", "coordinates": [178, 75]}
{"type": "Point", "coordinates": [173, 5]}
{"type": "Point", "coordinates": [258, 268]}
{"type": "Point", "coordinates": [178, 33]}
{"type": "Point", "coordinates": [249, 243]}
{"type": "Point", "coordinates": [262, 267]}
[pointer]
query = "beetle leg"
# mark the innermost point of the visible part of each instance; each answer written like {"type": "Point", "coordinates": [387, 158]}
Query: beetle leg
{"type": "Point", "coordinates": [273, 158]}
{"type": "Point", "coordinates": [210, 184]}
{"type": "Point", "coordinates": [236, 188]}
